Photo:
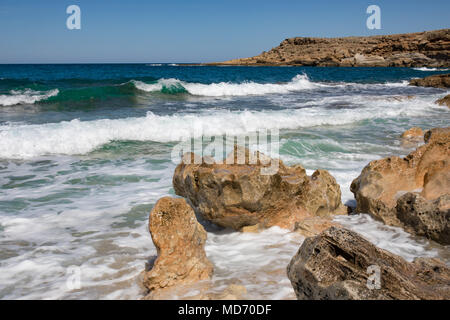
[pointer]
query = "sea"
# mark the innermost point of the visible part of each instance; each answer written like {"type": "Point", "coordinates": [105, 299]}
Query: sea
{"type": "Point", "coordinates": [86, 151]}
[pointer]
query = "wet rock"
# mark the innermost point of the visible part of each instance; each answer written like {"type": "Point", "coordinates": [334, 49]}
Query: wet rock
{"type": "Point", "coordinates": [425, 171]}
{"type": "Point", "coordinates": [412, 137]}
{"type": "Point", "coordinates": [179, 240]}
{"type": "Point", "coordinates": [428, 218]}
{"type": "Point", "coordinates": [340, 264]}
{"type": "Point", "coordinates": [241, 195]}
{"type": "Point", "coordinates": [445, 101]}
{"type": "Point", "coordinates": [436, 81]}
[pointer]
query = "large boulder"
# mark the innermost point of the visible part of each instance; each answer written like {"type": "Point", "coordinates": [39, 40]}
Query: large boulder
{"type": "Point", "coordinates": [425, 171]}
{"type": "Point", "coordinates": [179, 240]}
{"type": "Point", "coordinates": [340, 264]}
{"type": "Point", "coordinates": [429, 218]}
{"type": "Point", "coordinates": [436, 81]}
{"type": "Point", "coordinates": [241, 195]}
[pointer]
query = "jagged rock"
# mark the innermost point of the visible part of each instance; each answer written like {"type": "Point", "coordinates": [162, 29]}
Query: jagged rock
{"type": "Point", "coordinates": [423, 49]}
{"type": "Point", "coordinates": [445, 101]}
{"type": "Point", "coordinates": [339, 264]}
{"type": "Point", "coordinates": [179, 240]}
{"type": "Point", "coordinates": [436, 81]}
{"type": "Point", "coordinates": [239, 195]}
{"type": "Point", "coordinates": [429, 218]}
{"type": "Point", "coordinates": [425, 170]}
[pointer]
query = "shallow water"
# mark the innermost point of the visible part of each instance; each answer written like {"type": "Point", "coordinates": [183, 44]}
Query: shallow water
{"type": "Point", "coordinates": [80, 169]}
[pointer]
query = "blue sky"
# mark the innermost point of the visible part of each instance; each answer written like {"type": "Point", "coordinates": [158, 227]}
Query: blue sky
{"type": "Point", "coordinates": [191, 31]}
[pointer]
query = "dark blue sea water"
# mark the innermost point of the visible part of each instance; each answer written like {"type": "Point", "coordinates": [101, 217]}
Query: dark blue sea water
{"type": "Point", "coordinates": [85, 152]}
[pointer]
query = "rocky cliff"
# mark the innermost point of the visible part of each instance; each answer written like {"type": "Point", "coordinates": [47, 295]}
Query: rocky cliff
{"type": "Point", "coordinates": [423, 49]}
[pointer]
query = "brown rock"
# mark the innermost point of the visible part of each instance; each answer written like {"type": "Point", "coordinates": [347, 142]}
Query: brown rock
{"type": "Point", "coordinates": [412, 137]}
{"type": "Point", "coordinates": [428, 218]}
{"type": "Point", "coordinates": [240, 195]}
{"type": "Point", "coordinates": [414, 133]}
{"type": "Point", "coordinates": [445, 101]}
{"type": "Point", "coordinates": [179, 240]}
{"type": "Point", "coordinates": [339, 264]}
{"type": "Point", "coordinates": [436, 81]}
{"type": "Point", "coordinates": [423, 49]}
{"type": "Point", "coordinates": [383, 181]}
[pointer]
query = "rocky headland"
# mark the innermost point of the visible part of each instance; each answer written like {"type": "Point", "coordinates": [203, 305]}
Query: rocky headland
{"type": "Point", "coordinates": [423, 49]}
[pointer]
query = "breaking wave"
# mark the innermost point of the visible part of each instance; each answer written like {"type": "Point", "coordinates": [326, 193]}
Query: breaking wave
{"type": "Point", "coordinates": [80, 137]}
{"type": "Point", "coordinates": [26, 96]}
{"type": "Point", "coordinates": [429, 69]}
{"type": "Point", "coordinates": [298, 83]}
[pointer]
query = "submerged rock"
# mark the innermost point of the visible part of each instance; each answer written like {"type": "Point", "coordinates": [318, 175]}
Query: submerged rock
{"type": "Point", "coordinates": [425, 171]}
{"type": "Point", "coordinates": [179, 241]}
{"type": "Point", "coordinates": [241, 195]}
{"type": "Point", "coordinates": [414, 133]}
{"type": "Point", "coordinates": [436, 81]}
{"type": "Point", "coordinates": [412, 137]}
{"type": "Point", "coordinates": [340, 264]}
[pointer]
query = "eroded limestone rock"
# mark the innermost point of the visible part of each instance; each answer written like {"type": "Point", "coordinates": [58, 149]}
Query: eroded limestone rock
{"type": "Point", "coordinates": [179, 240]}
{"type": "Point", "coordinates": [239, 195]}
{"type": "Point", "coordinates": [337, 264]}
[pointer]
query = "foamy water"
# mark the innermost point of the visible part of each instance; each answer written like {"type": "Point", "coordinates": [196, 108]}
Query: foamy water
{"type": "Point", "coordinates": [78, 192]}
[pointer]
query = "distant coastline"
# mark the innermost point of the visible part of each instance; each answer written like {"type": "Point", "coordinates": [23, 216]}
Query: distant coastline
{"type": "Point", "coordinates": [423, 49]}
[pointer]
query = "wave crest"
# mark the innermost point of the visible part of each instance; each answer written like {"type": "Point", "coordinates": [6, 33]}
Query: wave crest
{"type": "Point", "coordinates": [26, 141]}
{"type": "Point", "coordinates": [26, 96]}
{"type": "Point", "coordinates": [298, 83]}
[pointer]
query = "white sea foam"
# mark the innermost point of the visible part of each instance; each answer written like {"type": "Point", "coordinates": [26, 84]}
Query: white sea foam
{"type": "Point", "coordinates": [228, 89]}
{"type": "Point", "coordinates": [299, 82]}
{"type": "Point", "coordinates": [390, 238]}
{"type": "Point", "coordinates": [27, 96]}
{"type": "Point", "coordinates": [80, 137]}
{"type": "Point", "coordinates": [430, 69]}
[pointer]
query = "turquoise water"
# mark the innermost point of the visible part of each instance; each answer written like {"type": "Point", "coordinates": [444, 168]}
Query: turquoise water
{"type": "Point", "coordinates": [85, 152]}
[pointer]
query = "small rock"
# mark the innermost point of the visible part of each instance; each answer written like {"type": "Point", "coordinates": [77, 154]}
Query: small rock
{"type": "Point", "coordinates": [179, 241]}
{"type": "Point", "coordinates": [445, 101]}
{"type": "Point", "coordinates": [436, 81]}
{"type": "Point", "coordinates": [414, 133]}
